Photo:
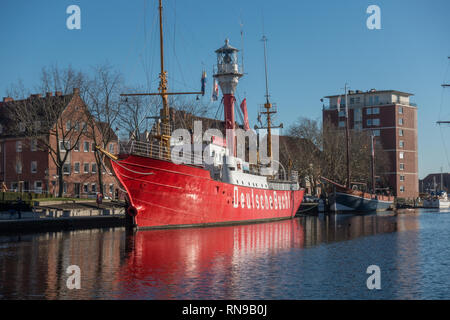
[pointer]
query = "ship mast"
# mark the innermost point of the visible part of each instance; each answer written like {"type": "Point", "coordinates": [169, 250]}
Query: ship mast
{"type": "Point", "coordinates": [372, 156]}
{"type": "Point", "coordinates": [163, 79]}
{"type": "Point", "coordinates": [268, 107]}
{"type": "Point", "coordinates": [162, 134]}
{"type": "Point", "coordinates": [445, 85]}
{"type": "Point", "coordinates": [347, 137]}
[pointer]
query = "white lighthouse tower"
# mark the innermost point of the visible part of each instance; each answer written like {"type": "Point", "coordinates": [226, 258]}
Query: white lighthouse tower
{"type": "Point", "coordinates": [228, 75]}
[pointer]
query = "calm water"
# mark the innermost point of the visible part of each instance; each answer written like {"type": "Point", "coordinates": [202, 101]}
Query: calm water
{"type": "Point", "coordinates": [305, 258]}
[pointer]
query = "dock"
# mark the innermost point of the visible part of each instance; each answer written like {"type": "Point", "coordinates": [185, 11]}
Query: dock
{"type": "Point", "coordinates": [56, 216]}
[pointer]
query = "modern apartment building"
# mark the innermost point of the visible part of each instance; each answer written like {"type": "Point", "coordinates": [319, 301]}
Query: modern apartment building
{"type": "Point", "coordinates": [392, 118]}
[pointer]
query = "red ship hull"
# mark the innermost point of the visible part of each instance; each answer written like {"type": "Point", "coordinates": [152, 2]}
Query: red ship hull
{"type": "Point", "coordinates": [163, 194]}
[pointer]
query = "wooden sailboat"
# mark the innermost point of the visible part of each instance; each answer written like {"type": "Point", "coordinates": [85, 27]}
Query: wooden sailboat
{"type": "Point", "coordinates": [344, 197]}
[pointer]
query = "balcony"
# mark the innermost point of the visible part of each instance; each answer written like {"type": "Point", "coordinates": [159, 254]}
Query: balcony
{"type": "Point", "coordinates": [362, 105]}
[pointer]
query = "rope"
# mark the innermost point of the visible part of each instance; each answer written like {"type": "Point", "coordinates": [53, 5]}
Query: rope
{"type": "Point", "coordinates": [307, 209]}
{"type": "Point", "coordinates": [137, 172]}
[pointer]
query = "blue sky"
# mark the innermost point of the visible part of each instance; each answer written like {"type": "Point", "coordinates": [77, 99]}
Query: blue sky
{"type": "Point", "coordinates": [314, 47]}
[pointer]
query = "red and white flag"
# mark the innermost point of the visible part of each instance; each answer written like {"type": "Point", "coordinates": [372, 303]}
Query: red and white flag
{"type": "Point", "coordinates": [244, 112]}
{"type": "Point", "coordinates": [339, 104]}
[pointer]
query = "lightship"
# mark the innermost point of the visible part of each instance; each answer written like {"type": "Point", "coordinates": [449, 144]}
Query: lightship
{"type": "Point", "coordinates": [163, 193]}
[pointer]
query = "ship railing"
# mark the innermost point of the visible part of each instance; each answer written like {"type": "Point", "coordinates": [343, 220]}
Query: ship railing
{"type": "Point", "coordinates": [158, 151]}
{"type": "Point", "coordinates": [279, 182]}
{"type": "Point", "coordinates": [159, 129]}
{"type": "Point", "coordinates": [273, 108]}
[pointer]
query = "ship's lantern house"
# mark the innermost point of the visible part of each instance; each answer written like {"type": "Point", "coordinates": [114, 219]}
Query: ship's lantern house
{"type": "Point", "coordinates": [228, 77]}
{"type": "Point", "coordinates": [227, 59]}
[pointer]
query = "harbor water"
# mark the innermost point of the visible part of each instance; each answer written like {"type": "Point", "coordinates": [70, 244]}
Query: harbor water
{"type": "Point", "coordinates": [310, 257]}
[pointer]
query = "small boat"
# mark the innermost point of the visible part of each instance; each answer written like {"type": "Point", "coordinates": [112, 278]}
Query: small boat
{"type": "Point", "coordinates": [347, 198]}
{"type": "Point", "coordinates": [440, 200]}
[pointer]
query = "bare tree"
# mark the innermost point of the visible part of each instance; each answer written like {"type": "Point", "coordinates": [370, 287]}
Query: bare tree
{"type": "Point", "coordinates": [50, 123]}
{"type": "Point", "coordinates": [303, 145]}
{"type": "Point", "coordinates": [321, 151]}
{"type": "Point", "coordinates": [102, 95]}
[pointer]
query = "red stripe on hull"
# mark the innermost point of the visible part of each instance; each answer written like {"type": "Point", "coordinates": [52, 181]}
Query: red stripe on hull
{"type": "Point", "coordinates": [180, 195]}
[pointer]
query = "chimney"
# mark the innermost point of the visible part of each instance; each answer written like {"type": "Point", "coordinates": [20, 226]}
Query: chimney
{"type": "Point", "coordinates": [7, 99]}
{"type": "Point", "coordinates": [76, 91]}
{"type": "Point", "coordinates": [48, 94]}
{"type": "Point", "coordinates": [58, 93]}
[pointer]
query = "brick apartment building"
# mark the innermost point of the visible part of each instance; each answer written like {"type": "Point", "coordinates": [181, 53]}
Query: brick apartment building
{"type": "Point", "coordinates": [26, 164]}
{"type": "Point", "coordinates": [392, 118]}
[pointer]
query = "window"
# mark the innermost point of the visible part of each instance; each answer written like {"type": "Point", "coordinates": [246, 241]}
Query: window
{"type": "Point", "coordinates": [66, 168]}
{"type": "Point", "coordinates": [402, 188]}
{"type": "Point", "coordinates": [400, 121]}
{"type": "Point", "coordinates": [86, 168]}
{"type": "Point", "coordinates": [111, 188]}
{"type": "Point", "coordinates": [370, 100]}
{"type": "Point", "coordinates": [377, 99]}
{"type": "Point", "coordinates": [342, 113]}
{"type": "Point", "coordinates": [352, 100]}
{"type": "Point", "coordinates": [33, 166]}
{"type": "Point", "coordinates": [373, 122]}
{"type": "Point", "coordinates": [83, 126]}
{"type": "Point", "coordinates": [402, 178]}
{"type": "Point", "coordinates": [357, 114]}
{"type": "Point", "coordinates": [18, 146]}
{"type": "Point", "coordinates": [77, 146]}
{"type": "Point", "coordinates": [400, 110]}
{"type": "Point", "coordinates": [76, 167]}
{"type": "Point", "coordinates": [357, 99]}
{"type": "Point", "coordinates": [86, 146]}
{"type": "Point", "coordinates": [401, 144]}
{"type": "Point", "coordinates": [375, 110]}
{"type": "Point", "coordinates": [341, 124]}
{"type": "Point", "coordinates": [400, 132]}
{"type": "Point", "coordinates": [68, 126]}
{"type": "Point", "coordinates": [93, 147]}
{"type": "Point", "coordinates": [402, 166]}
{"type": "Point", "coordinates": [65, 187]}
{"type": "Point", "coordinates": [376, 133]}
{"type": "Point", "coordinates": [19, 167]}
{"type": "Point", "coordinates": [94, 187]}
{"type": "Point", "coordinates": [76, 127]}
{"type": "Point", "coordinates": [94, 168]}
{"type": "Point", "coordinates": [369, 111]}
{"type": "Point", "coordinates": [401, 155]}
{"type": "Point", "coordinates": [38, 186]}
{"type": "Point", "coordinates": [64, 146]}
{"type": "Point", "coordinates": [85, 188]}
{"type": "Point", "coordinates": [33, 145]}
{"type": "Point", "coordinates": [37, 125]}
{"type": "Point", "coordinates": [14, 186]}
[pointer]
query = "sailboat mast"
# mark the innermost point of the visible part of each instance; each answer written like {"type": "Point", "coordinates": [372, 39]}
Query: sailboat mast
{"type": "Point", "coordinates": [373, 163]}
{"type": "Point", "coordinates": [445, 85]}
{"type": "Point", "coordinates": [347, 137]}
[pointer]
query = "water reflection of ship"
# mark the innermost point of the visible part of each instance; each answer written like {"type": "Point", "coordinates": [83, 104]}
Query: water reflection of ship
{"type": "Point", "coordinates": [165, 260]}
{"type": "Point", "coordinates": [162, 254]}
